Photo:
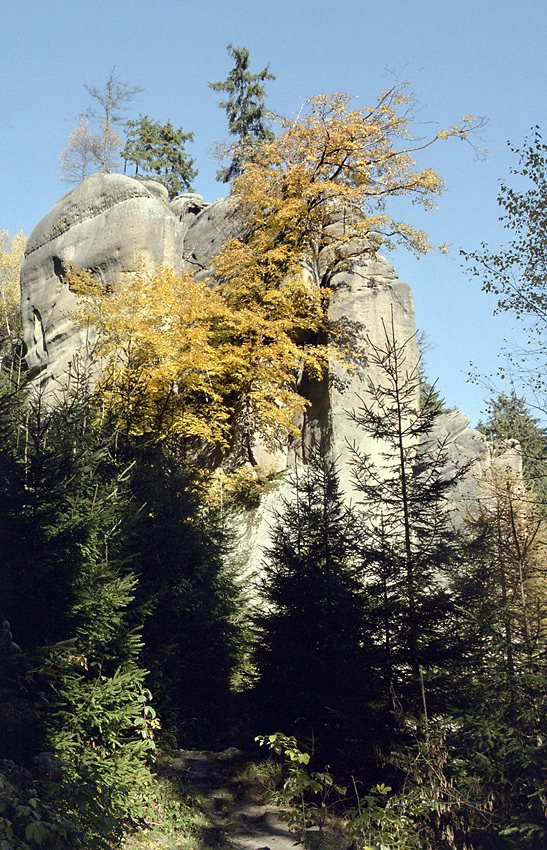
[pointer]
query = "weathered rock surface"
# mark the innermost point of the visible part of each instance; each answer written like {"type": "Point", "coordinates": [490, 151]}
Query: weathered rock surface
{"type": "Point", "coordinates": [110, 222]}
{"type": "Point", "coordinates": [369, 301]}
{"type": "Point", "coordinates": [106, 224]}
{"type": "Point", "coordinates": [206, 234]}
{"type": "Point", "coordinates": [466, 447]}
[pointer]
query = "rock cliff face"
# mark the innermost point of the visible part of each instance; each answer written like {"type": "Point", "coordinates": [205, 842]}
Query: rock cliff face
{"type": "Point", "coordinates": [110, 221]}
{"type": "Point", "coordinates": [104, 224]}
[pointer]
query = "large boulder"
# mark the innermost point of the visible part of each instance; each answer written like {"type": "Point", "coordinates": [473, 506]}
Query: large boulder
{"type": "Point", "coordinates": [107, 224]}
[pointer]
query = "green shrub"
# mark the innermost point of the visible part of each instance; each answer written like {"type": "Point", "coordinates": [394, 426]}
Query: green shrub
{"type": "Point", "coordinates": [41, 808]}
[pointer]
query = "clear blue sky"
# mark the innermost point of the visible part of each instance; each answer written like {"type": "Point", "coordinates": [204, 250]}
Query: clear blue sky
{"type": "Point", "coordinates": [484, 57]}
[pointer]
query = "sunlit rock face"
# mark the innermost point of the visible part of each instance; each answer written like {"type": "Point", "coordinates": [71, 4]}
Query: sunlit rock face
{"type": "Point", "coordinates": [105, 224]}
{"type": "Point", "coordinates": [369, 305]}
{"type": "Point", "coordinates": [110, 222]}
{"type": "Point", "coordinates": [368, 301]}
{"type": "Point", "coordinates": [467, 448]}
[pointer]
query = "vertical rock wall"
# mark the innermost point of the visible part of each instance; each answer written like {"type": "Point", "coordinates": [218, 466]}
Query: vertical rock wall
{"type": "Point", "coordinates": [109, 222]}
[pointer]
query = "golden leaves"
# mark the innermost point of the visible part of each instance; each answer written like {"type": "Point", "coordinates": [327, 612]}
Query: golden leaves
{"type": "Point", "coordinates": [158, 331]}
{"type": "Point", "coordinates": [334, 156]}
{"type": "Point", "coordinates": [181, 354]}
{"type": "Point", "coordinates": [201, 358]}
{"type": "Point", "coordinates": [12, 250]}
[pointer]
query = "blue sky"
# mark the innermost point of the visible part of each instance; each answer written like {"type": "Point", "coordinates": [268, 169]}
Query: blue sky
{"type": "Point", "coordinates": [486, 58]}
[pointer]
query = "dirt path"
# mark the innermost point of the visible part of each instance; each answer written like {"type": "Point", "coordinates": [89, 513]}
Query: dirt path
{"type": "Point", "coordinates": [238, 818]}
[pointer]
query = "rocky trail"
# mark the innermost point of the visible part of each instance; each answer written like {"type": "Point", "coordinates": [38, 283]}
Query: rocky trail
{"type": "Point", "coordinates": [232, 802]}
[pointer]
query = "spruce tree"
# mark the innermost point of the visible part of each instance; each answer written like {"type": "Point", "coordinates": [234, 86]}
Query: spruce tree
{"type": "Point", "coordinates": [311, 654]}
{"type": "Point", "coordinates": [458, 617]}
{"type": "Point", "coordinates": [409, 542]}
{"type": "Point", "coordinates": [141, 138]}
{"type": "Point", "coordinates": [245, 110]}
{"type": "Point", "coordinates": [67, 598]}
{"type": "Point", "coordinates": [187, 592]}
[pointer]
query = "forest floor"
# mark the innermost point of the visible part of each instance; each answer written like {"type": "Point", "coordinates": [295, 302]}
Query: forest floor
{"type": "Point", "coordinates": [231, 797]}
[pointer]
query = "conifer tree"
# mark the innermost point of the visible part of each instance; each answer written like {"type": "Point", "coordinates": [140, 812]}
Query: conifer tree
{"type": "Point", "coordinates": [157, 151]}
{"type": "Point", "coordinates": [510, 418]}
{"type": "Point", "coordinates": [499, 705]}
{"type": "Point", "coordinates": [111, 99]}
{"type": "Point", "coordinates": [245, 110]}
{"type": "Point", "coordinates": [187, 591]}
{"type": "Point", "coordinates": [141, 137]}
{"type": "Point", "coordinates": [458, 619]}
{"type": "Point", "coordinates": [311, 654]}
{"type": "Point", "coordinates": [409, 541]}
{"type": "Point", "coordinates": [67, 596]}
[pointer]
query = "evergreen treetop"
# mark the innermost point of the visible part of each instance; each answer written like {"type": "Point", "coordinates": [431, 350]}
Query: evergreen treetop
{"type": "Point", "coordinates": [157, 151]}
{"type": "Point", "coordinates": [245, 110]}
{"type": "Point", "coordinates": [510, 418]}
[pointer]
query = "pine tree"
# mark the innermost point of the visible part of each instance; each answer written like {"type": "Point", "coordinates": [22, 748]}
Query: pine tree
{"type": "Point", "coordinates": [158, 152]}
{"type": "Point", "coordinates": [245, 110]}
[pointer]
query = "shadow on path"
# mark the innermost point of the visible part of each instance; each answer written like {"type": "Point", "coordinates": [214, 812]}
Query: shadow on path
{"type": "Point", "coordinates": [238, 819]}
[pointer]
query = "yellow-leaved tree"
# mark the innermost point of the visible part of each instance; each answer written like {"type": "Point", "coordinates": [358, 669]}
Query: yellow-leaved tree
{"type": "Point", "coordinates": [160, 351]}
{"type": "Point", "coordinates": [334, 163]}
{"type": "Point", "coordinates": [310, 200]}
{"type": "Point", "coordinates": [220, 359]}
{"type": "Point", "coordinates": [12, 249]}
{"type": "Point", "coordinates": [176, 357]}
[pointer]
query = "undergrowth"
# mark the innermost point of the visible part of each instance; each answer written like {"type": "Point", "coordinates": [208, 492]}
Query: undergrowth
{"type": "Point", "coordinates": [173, 819]}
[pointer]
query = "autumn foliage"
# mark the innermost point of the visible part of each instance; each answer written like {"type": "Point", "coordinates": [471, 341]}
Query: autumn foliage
{"type": "Point", "coordinates": [12, 249]}
{"type": "Point", "coordinates": [335, 159]}
{"type": "Point", "coordinates": [82, 154]}
{"type": "Point", "coordinates": [209, 358]}
{"type": "Point", "coordinates": [181, 354]}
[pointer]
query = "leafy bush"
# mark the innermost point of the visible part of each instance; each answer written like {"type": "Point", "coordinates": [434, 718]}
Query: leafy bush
{"type": "Point", "coordinates": [307, 793]}
{"type": "Point", "coordinates": [378, 819]}
{"type": "Point", "coordinates": [40, 808]}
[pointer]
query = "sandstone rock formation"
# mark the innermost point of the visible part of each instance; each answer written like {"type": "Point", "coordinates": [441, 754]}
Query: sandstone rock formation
{"type": "Point", "coordinates": [110, 221]}
{"type": "Point", "coordinates": [466, 447]}
{"type": "Point", "coordinates": [104, 224]}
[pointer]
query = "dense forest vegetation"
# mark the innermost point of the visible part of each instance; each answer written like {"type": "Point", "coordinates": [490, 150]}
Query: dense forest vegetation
{"type": "Point", "coordinates": [402, 650]}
